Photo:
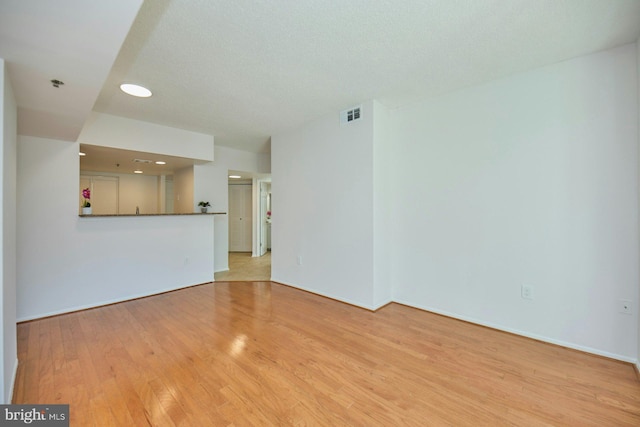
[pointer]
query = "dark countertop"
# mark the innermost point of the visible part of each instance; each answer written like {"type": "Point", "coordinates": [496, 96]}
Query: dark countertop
{"type": "Point", "coordinates": [156, 214]}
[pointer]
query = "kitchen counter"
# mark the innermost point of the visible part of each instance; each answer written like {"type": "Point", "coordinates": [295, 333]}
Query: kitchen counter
{"type": "Point", "coordinates": [156, 214]}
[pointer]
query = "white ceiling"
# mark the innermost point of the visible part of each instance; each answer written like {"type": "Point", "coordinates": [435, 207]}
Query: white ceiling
{"type": "Point", "coordinates": [73, 41]}
{"type": "Point", "coordinates": [246, 70]}
{"type": "Point", "coordinates": [106, 159]}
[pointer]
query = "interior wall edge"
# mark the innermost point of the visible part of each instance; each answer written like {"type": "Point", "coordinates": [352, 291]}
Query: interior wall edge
{"type": "Point", "coordinates": [327, 295]}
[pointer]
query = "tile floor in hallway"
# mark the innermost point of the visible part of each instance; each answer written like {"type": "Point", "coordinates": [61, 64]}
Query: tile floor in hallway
{"type": "Point", "coordinates": [242, 266]}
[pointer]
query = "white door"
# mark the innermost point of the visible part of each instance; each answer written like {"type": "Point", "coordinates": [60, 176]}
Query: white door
{"type": "Point", "coordinates": [240, 223]}
{"type": "Point", "coordinates": [104, 193]}
{"type": "Point", "coordinates": [263, 219]}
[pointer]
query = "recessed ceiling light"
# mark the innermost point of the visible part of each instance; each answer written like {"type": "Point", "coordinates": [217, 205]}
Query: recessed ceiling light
{"type": "Point", "coordinates": [82, 154]}
{"type": "Point", "coordinates": [135, 90]}
{"type": "Point", "coordinates": [137, 171]}
{"type": "Point", "coordinates": [235, 176]}
{"type": "Point", "coordinates": [160, 162]}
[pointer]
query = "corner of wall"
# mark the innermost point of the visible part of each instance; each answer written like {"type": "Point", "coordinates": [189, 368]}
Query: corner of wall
{"type": "Point", "coordinates": [324, 205]}
{"type": "Point", "coordinates": [638, 87]}
{"type": "Point", "coordinates": [474, 218]}
{"type": "Point", "coordinates": [8, 241]}
{"type": "Point", "coordinates": [264, 162]}
{"type": "Point", "coordinates": [382, 205]}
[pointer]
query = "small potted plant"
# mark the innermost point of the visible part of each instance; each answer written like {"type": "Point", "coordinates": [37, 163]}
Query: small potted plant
{"type": "Point", "coordinates": [86, 205]}
{"type": "Point", "coordinates": [203, 206]}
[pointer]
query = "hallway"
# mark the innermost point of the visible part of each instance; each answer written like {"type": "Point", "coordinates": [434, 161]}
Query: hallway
{"type": "Point", "coordinates": [243, 267]}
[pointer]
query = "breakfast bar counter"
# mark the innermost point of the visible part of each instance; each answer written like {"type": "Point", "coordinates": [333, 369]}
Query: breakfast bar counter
{"type": "Point", "coordinates": [154, 214]}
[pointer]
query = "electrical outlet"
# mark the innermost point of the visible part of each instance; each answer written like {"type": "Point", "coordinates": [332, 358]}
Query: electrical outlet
{"type": "Point", "coordinates": [299, 259]}
{"type": "Point", "coordinates": [526, 291]}
{"type": "Point", "coordinates": [625, 306]}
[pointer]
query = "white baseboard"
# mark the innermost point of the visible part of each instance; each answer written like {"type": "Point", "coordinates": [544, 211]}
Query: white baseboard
{"type": "Point", "coordinates": [561, 343]}
{"type": "Point", "coordinates": [327, 295]}
{"type": "Point", "coordinates": [379, 305]}
{"type": "Point", "coordinates": [536, 337]}
{"type": "Point", "coordinates": [103, 303]}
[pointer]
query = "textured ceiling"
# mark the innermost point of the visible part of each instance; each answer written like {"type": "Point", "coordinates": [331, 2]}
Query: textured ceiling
{"type": "Point", "coordinates": [69, 40]}
{"type": "Point", "coordinates": [246, 70]}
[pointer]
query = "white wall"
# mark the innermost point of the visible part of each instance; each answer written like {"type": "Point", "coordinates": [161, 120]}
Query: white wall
{"type": "Point", "coordinates": [118, 132]}
{"type": "Point", "coordinates": [531, 179]}
{"type": "Point", "coordinates": [322, 190]}
{"type": "Point", "coordinates": [637, 302]}
{"type": "Point", "coordinates": [211, 184]}
{"type": "Point", "coordinates": [67, 263]}
{"type": "Point", "coordinates": [383, 224]}
{"type": "Point", "coordinates": [264, 163]}
{"type": "Point", "coordinates": [8, 130]}
{"type": "Point", "coordinates": [528, 180]}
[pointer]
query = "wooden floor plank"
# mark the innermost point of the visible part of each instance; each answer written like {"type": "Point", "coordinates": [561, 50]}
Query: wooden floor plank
{"type": "Point", "coordinates": [260, 353]}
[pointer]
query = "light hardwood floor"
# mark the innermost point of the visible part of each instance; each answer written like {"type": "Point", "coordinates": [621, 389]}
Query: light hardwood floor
{"type": "Point", "coordinates": [242, 267]}
{"type": "Point", "coordinates": [243, 354]}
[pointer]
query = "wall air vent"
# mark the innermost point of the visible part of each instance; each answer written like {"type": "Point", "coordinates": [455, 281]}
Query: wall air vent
{"type": "Point", "coordinates": [350, 115]}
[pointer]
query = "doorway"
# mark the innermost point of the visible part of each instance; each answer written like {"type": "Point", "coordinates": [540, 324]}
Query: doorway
{"type": "Point", "coordinates": [240, 217]}
{"type": "Point", "coordinates": [244, 267]}
{"type": "Point", "coordinates": [263, 242]}
{"type": "Point", "coordinates": [249, 209]}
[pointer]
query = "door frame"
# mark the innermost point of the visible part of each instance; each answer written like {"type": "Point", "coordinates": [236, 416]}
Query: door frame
{"type": "Point", "coordinates": [248, 244]}
{"type": "Point", "coordinates": [259, 217]}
